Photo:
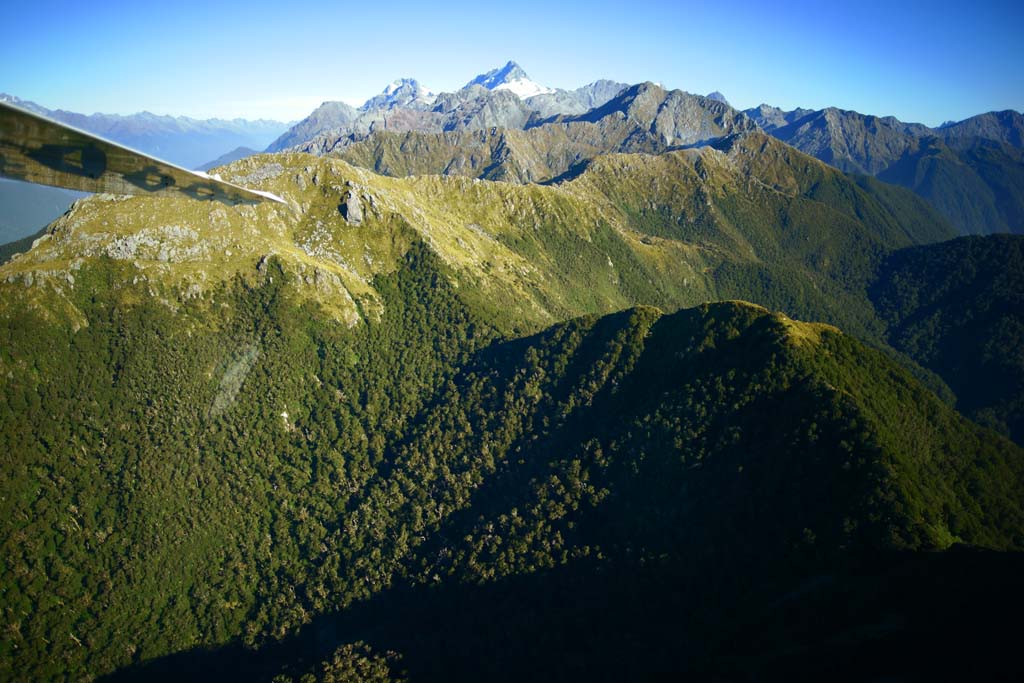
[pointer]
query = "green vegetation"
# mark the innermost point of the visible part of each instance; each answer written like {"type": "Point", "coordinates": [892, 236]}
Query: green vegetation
{"type": "Point", "coordinates": [143, 521]}
{"type": "Point", "coordinates": [979, 188]}
{"type": "Point", "coordinates": [958, 309]}
{"type": "Point", "coordinates": [281, 443]}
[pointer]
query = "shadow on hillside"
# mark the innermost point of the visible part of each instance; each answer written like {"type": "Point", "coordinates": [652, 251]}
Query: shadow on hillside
{"type": "Point", "coordinates": [901, 617]}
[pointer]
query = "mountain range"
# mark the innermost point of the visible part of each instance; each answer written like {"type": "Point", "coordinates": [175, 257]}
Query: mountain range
{"type": "Point", "coordinates": [181, 140]}
{"type": "Point", "coordinates": [502, 98]}
{"type": "Point", "coordinates": [603, 384]}
{"type": "Point", "coordinates": [969, 170]}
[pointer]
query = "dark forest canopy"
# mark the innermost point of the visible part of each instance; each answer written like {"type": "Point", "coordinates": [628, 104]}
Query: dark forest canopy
{"type": "Point", "coordinates": [470, 427]}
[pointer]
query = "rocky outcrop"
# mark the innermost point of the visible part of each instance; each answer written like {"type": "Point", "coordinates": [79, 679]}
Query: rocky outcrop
{"type": "Point", "coordinates": [351, 208]}
{"type": "Point", "coordinates": [328, 116]}
{"type": "Point", "coordinates": [643, 118]}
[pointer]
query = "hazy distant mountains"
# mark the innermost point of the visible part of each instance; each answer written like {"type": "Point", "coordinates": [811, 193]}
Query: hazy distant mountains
{"type": "Point", "coordinates": [25, 208]}
{"type": "Point", "coordinates": [226, 158]}
{"type": "Point", "coordinates": [971, 171]}
{"type": "Point", "coordinates": [181, 140]}
{"type": "Point", "coordinates": [1001, 126]}
{"type": "Point", "coordinates": [190, 143]}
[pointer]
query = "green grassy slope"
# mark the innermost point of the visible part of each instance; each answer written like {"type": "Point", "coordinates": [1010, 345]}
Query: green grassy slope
{"type": "Point", "coordinates": [756, 220]}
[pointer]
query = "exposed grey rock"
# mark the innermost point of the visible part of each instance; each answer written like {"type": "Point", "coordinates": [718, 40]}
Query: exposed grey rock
{"type": "Point", "coordinates": [577, 101]}
{"type": "Point", "coordinates": [672, 117]}
{"type": "Point", "coordinates": [409, 107]}
{"type": "Point", "coordinates": [352, 208]}
{"type": "Point", "coordinates": [327, 116]}
{"type": "Point", "coordinates": [770, 118]}
{"type": "Point", "coordinates": [717, 96]}
{"type": "Point", "coordinates": [1006, 127]}
{"type": "Point", "coordinates": [265, 172]}
{"type": "Point", "coordinates": [643, 118]}
{"type": "Point", "coordinates": [405, 92]}
{"type": "Point", "coordinates": [263, 264]}
{"type": "Point", "coordinates": [473, 108]}
{"type": "Point", "coordinates": [169, 244]}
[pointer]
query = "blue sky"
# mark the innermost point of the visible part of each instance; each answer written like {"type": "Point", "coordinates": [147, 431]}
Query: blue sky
{"type": "Point", "coordinates": [919, 61]}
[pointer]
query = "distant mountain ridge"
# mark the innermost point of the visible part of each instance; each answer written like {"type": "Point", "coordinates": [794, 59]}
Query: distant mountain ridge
{"type": "Point", "coordinates": [233, 155]}
{"type": "Point", "coordinates": [1002, 126]}
{"type": "Point", "coordinates": [25, 208]}
{"type": "Point", "coordinates": [970, 170]}
{"type": "Point", "coordinates": [181, 140]}
{"type": "Point", "coordinates": [184, 141]}
{"type": "Point", "coordinates": [504, 97]}
{"type": "Point", "coordinates": [578, 101]}
{"type": "Point", "coordinates": [529, 148]}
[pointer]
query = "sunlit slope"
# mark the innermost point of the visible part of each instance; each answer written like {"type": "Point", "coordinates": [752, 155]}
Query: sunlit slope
{"type": "Point", "coordinates": [754, 220]}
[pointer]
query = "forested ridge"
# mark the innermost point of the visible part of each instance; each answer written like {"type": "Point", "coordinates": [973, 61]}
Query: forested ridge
{"type": "Point", "coordinates": [263, 443]}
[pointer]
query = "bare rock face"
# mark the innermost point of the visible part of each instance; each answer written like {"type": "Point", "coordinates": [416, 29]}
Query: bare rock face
{"type": "Point", "coordinates": [352, 209]}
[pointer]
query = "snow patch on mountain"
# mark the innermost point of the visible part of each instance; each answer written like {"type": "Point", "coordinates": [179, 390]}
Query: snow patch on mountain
{"type": "Point", "coordinates": [524, 87]}
{"type": "Point", "coordinates": [403, 92]}
{"type": "Point", "coordinates": [510, 77]}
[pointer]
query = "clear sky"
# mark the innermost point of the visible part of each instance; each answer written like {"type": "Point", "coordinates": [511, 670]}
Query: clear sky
{"type": "Point", "coordinates": [925, 62]}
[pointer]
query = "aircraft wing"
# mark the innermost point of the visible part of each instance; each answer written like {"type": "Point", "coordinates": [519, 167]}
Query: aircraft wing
{"type": "Point", "coordinates": [39, 150]}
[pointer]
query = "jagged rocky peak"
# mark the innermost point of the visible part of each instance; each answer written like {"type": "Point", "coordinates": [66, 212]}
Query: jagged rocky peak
{"type": "Point", "coordinates": [327, 116]}
{"type": "Point", "coordinates": [771, 118]}
{"type": "Point", "coordinates": [404, 92]}
{"type": "Point", "coordinates": [510, 77]}
{"type": "Point", "coordinates": [1006, 127]}
{"type": "Point", "coordinates": [717, 96]}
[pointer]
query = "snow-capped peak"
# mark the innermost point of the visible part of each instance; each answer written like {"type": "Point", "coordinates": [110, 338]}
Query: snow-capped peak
{"type": "Point", "coordinates": [510, 77]}
{"type": "Point", "coordinates": [404, 92]}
